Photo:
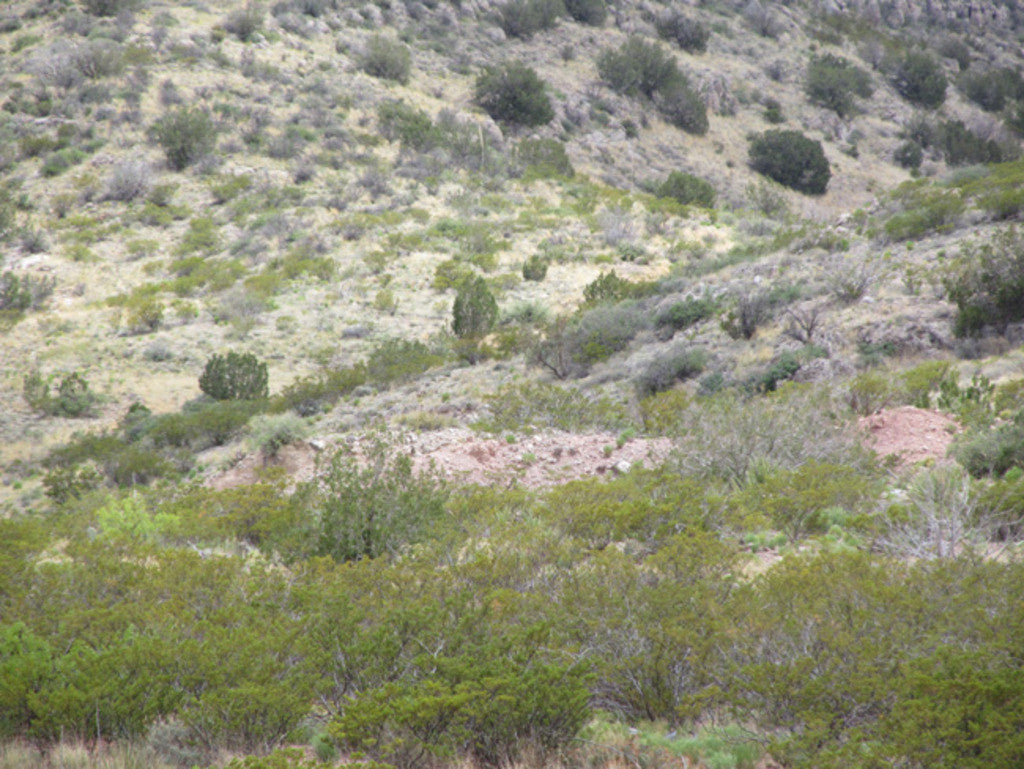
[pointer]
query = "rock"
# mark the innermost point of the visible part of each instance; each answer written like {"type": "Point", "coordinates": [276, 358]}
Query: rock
{"type": "Point", "coordinates": [622, 467]}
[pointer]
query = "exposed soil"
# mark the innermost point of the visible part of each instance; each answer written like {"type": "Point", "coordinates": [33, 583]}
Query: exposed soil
{"type": "Point", "coordinates": [910, 434]}
{"type": "Point", "coordinates": [535, 461]}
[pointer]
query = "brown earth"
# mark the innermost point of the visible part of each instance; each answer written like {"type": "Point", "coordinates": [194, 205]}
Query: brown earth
{"type": "Point", "coordinates": [910, 434]}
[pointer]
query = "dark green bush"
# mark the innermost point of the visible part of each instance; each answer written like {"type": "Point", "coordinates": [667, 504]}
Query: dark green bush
{"type": "Point", "coordinates": [235, 376]}
{"type": "Point", "coordinates": [992, 450]}
{"type": "Point", "coordinates": [637, 68]}
{"type": "Point", "coordinates": [186, 135]}
{"type": "Point", "coordinates": [682, 106]}
{"type": "Point", "coordinates": [475, 310]}
{"type": "Point", "coordinates": [109, 7]}
{"type": "Point", "coordinates": [535, 268]}
{"type": "Point", "coordinates": [592, 12]}
{"type": "Point", "coordinates": [791, 159]}
{"type": "Point", "coordinates": [199, 426]}
{"type": "Point", "coordinates": [512, 93]}
{"type": "Point", "coordinates": [311, 395]}
{"type": "Point", "coordinates": [524, 18]}
{"type": "Point", "coordinates": [773, 111]}
{"type": "Point", "coordinates": [688, 33]}
{"type": "Point", "coordinates": [909, 155]}
{"type": "Point", "coordinates": [687, 189]}
{"type": "Point", "coordinates": [918, 78]}
{"type": "Point", "coordinates": [387, 59]}
{"type": "Point", "coordinates": [992, 89]}
{"type": "Point", "coordinates": [962, 146]}
{"type": "Point", "coordinates": [987, 284]}
{"type": "Point", "coordinates": [833, 82]}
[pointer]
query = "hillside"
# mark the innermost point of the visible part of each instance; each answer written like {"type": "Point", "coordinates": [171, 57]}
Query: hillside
{"type": "Point", "coordinates": [521, 352]}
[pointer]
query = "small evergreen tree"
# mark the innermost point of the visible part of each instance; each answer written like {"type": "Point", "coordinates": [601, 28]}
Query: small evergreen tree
{"type": "Point", "coordinates": [235, 376]}
{"type": "Point", "coordinates": [475, 310]}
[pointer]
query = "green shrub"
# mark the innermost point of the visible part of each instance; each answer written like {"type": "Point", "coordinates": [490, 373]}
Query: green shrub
{"type": "Point", "coordinates": [682, 106]}
{"type": "Point", "coordinates": [245, 22]}
{"type": "Point", "coordinates": [833, 82]}
{"type": "Point", "coordinates": [918, 78]}
{"type": "Point", "coordinates": [987, 284]}
{"type": "Point", "coordinates": [592, 12]}
{"type": "Point", "coordinates": [535, 268]}
{"type": "Point", "coordinates": [689, 312]}
{"type": "Point", "coordinates": [475, 310]}
{"type": "Point", "coordinates": [186, 135]}
{"type": "Point", "coordinates": [962, 146]}
{"type": "Point", "coordinates": [679, 364]}
{"type": "Point", "coordinates": [235, 376]}
{"type": "Point", "coordinates": [609, 287]}
{"type": "Point", "coordinates": [399, 360]}
{"type": "Point", "coordinates": [512, 93]}
{"type": "Point", "coordinates": [909, 155]}
{"type": "Point", "coordinates": [926, 211]}
{"type": "Point", "coordinates": [199, 426]}
{"type": "Point", "coordinates": [992, 450]}
{"type": "Point", "coordinates": [109, 7]}
{"type": "Point", "coordinates": [73, 397]}
{"type": "Point", "coordinates": [688, 33]}
{"type": "Point", "coordinates": [409, 125]}
{"type": "Point", "coordinates": [311, 395]}
{"type": "Point", "coordinates": [524, 18]}
{"type": "Point", "coordinates": [544, 158]}
{"type": "Point", "coordinates": [991, 89]}
{"type": "Point", "coordinates": [687, 189]}
{"type": "Point", "coordinates": [750, 311]}
{"type": "Point", "coordinates": [372, 506]}
{"type": "Point", "coordinates": [547, 406]}
{"type": "Point", "coordinates": [637, 68]}
{"type": "Point", "coordinates": [791, 159]}
{"type": "Point", "coordinates": [387, 59]}
{"type": "Point", "coordinates": [272, 432]}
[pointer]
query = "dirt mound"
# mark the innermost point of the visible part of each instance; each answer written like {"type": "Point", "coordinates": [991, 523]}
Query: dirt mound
{"type": "Point", "coordinates": [911, 434]}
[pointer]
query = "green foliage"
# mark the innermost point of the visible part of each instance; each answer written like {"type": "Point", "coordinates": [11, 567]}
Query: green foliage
{"type": "Point", "coordinates": [272, 432]}
{"type": "Point", "coordinates": [687, 189]}
{"type": "Point", "coordinates": [524, 18]}
{"type": "Point", "coordinates": [962, 146]}
{"type": "Point", "coordinates": [475, 310]}
{"type": "Point", "coordinates": [926, 210]}
{"type": "Point", "coordinates": [245, 22]}
{"type": "Point", "coordinates": [918, 78]}
{"type": "Point", "coordinates": [637, 68]}
{"type": "Point", "coordinates": [512, 93]}
{"type": "Point", "coordinates": [409, 125]}
{"type": "Point", "coordinates": [688, 33]}
{"type": "Point", "coordinates": [535, 268]}
{"type": "Point", "coordinates": [987, 284]}
{"type": "Point", "coordinates": [549, 406]}
{"type": "Point", "coordinates": [992, 450]}
{"type": "Point", "coordinates": [26, 662]}
{"type": "Point", "coordinates": [544, 158]}
{"type": "Point", "coordinates": [591, 12]}
{"type": "Point", "coordinates": [676, 365]}
{"type": "Point", "coordinates": [371, 506]}
{"type": "Point", "coordinates": [399, 360]}
{"type": "Point", "coordinates": [991, 89]}
{"type": "Point", "coordinates": [909, 155]}
{"type": "Point", "coordinates": [186, 134]}
{"type": "Point", "coordinates": [72, 399]}
{"type": "Point", "coordinates": [387, 59]}
{"type": "Point", "coordinates": [109, 7]}
{"type": "Point", "coordinates": [609, 287]}
{"type": "Point", "coordinates": [234, 376]}
{"type": "Point", "coordinates": [791, 159]}
{"type": "Point", "coordinates": [311, 395]}
{"type": "Point", "coordinates": [833, 82]}
{"type": "Point", "coordinates": [689, 312]}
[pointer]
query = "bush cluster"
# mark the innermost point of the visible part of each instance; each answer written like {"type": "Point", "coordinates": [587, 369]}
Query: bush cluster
{"type": "Point", "coordinates": [833, 82]}
{"type": "Point", "coordinates": [234, 376]}
{"type": "Point", "coordinates": [186, 135]}
{"type": "Point", "coordinates": [688, 33]}
{"type": "Point", "coordinates": [791, 159]}
{"type": "Point", "coordinates": [687, 189]}
{"type": "Point", "coordinates": [638, 68]}
{"type": "Point", "coordinates": [387, 59]}
{"type": "Point", "coordinates": [918, 78]}
{"type": "Point", "coordinates": [987, 284]}
{"type": "Point", "coordinates": [591, 12]}
{"type": "Point", "coordinates": [73, 396]}
{"type": "Point", "coordinates": [512, 93]}
{"type": "Point", "coordinates": [525, 18]}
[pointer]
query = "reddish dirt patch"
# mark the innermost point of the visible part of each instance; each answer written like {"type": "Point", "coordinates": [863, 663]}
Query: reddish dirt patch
{"type": "Point", "coordinates": [535, 461]}
{"type": "Point", "coordinates": [911, 434]}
